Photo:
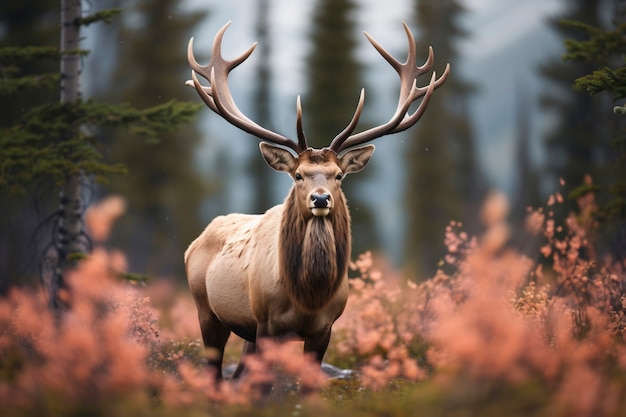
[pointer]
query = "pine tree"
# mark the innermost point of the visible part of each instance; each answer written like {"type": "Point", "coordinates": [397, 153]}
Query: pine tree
{"type": "Point", "coordinates": [526, 183]}
{"type": "Point", "coordinates": [604, 50]}
{"type": "Point", "coordinates": [334, 84]}
{"type": "Point", "coordinates": [443, 181]}
{"type": "Point", "coordinates": [52, 146]}
{"type": "Point", "coordinates": [164, 188]}
{"type": "Point", "coordinates": [22, 25]}
{"type": "Point", "coordinates": [579, 144]}
{"type": "Point", "coordinates": [260, 174]}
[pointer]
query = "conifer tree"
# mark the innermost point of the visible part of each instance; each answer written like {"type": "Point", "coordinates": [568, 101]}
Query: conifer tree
{"type": "Point", "coordinates": [23, 25]}
{"type": "Point", "coordinates": [260, 174]}
{"type": "Point", "coordinates": [52, 145]}
{"type": "Point", "coordinates": [578, 145]}
{"type": "Point", "coordinates": [443, 181]}
{"type": "Point", "coordinates": [604, 49]}
{"type": "Point", "coordinates": [334, 84]}
{"type": "Point", "coordinates": [527, 182]}
{"type": "Point", "coordinates": [164, 188]}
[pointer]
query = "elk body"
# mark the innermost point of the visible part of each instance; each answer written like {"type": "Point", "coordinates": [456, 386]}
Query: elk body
{"type": "Point", "coordinates": [284, 273]}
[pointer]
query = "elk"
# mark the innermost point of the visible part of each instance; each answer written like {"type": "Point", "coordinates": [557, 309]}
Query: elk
{"type": "Point", "coordinates": [285, 273]}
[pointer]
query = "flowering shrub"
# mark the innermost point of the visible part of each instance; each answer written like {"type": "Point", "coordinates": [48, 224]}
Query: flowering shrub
{"type": "Point", "coordinates": [493, 332]}
{"type": "Point", "coordinates": [112, 343]}
{"type": "Point", "coordinates": [91, 353]}
{"type": "Point", "coordinates": [379, 330]}
{"type": "Point", "coordinates": [499, 319]}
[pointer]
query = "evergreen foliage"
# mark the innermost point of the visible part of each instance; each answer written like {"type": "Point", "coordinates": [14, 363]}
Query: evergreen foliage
{"type": "Point", "coordinates": [334, 83]}
{"type": "Point", "coordinates": [21, 26]}
{"type": "Point", "coordinates": [579, 144]}
{"type": "Point", "coordinates": [527, 176]}
{"type": "Point", "coordinates": [164, 188]}
{"type": "Point", "coordinates": [52, 144]}
{"type": "Point", "coordinates": [261, 174]}
{"type": "Point", "coordinates": [601, 46]}
{"type": "Point", "coordinates": [333, 72]}
{"type": "Point", "coordinates": [38, 149]}
{"type": "Point", "coordinates": [105, 16]}
{"type": "Point", "coordinates": [13, 81]}
{"type": "Point", "coordinates": [443, 181]}
{"type": "Point", "coordinates": [604, 50]}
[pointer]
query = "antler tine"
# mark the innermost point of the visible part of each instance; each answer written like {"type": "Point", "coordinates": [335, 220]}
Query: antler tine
{"type": "Point", "coordinates": [299, 127]}
{"type": "Point", "coordinates": [219, 98]}
{"type": "Point", "coordinates": [338, 141]}
{"type": "Point", "coordinates": [435, 83]}
{"type": "Point", "coordinates": [409, 93]}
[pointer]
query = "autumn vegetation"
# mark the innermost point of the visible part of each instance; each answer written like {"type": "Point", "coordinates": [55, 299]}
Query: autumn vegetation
{"type": "Point", "coordinates": [494, 332]}
{"type": "Point", "coordinates": [514, 322]}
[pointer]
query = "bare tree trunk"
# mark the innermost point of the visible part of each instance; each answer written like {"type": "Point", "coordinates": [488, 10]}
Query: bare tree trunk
{"type": "Point", "coordinates": [69, 232]}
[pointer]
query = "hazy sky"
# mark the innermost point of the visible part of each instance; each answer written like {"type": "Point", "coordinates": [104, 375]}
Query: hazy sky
{"type": "Point", "coordinates": [494, 24]}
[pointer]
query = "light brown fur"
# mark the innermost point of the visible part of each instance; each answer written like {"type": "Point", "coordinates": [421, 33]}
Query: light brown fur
{"type": "Point", "coordinates": [283, 273]}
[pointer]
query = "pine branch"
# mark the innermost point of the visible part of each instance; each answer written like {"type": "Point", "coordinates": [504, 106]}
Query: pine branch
{"type": "Point", "coordinates": [10, 86]}
{"type": "Point", "coordinates": [76, 52]}
{"type": "Point", "coordinates": [105, 16]}
{"type": "Point", "coordinates": [26, 158]}
{"type": "Point", "coordinates": [41, 146]}
{"type": "Point", "coordinates": [600, 46]}
{"type": "Point", "coordinates": [55, 119]}
{"type": "Point", "coordinates": [605, 51]}
{"type": "Point", "coordinates": [605, 79]}
{"type": "Point", "coordinates": [28, 53]}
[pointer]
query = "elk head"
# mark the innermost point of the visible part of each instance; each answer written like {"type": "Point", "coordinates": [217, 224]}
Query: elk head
{"type": "Point", "coordinates": [317, 174]}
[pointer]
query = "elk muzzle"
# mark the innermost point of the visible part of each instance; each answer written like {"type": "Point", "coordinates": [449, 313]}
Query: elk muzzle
{"type": "Point", "coordinates": [321, 203]}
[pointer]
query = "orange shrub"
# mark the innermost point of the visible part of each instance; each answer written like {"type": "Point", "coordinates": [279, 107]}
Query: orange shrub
{"type": "Point", "coordinates": [89, 353]}
{"type": "Point", "coordinates": [490, 318]}
{"type": "Point", "coordinates": [496, 320]}
{"type": "Point", "coordinates": [110, 344]}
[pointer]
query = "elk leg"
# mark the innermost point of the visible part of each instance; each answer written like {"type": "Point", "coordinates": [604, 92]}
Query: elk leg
{"type": "Point", "coordinates": [248, 349]}
{"type": "Point", "coordinates": [317, 345]}
{"type": "Point", "coordinates": [263, 331]}
{"type": "Point", "coordinates": [214, 336]}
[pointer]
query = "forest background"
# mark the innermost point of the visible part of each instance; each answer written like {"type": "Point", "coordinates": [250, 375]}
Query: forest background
{"type": "Point", "coordinates": [508, 118]}
{"type": "Point", "coordinates": [463, 301]}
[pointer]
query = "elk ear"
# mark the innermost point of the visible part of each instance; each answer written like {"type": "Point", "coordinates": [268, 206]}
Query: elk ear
{"type": "Point", "coordinates": [355, 160]}
{"type": "Point", "coordinates": [278, 158]}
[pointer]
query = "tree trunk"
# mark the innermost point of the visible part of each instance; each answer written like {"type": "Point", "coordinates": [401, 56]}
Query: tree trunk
{"type": "Point", "coordinates": [69, 225]}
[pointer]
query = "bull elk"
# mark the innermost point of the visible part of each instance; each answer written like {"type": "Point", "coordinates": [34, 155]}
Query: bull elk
{"type": "Point", "coordinates": [284, 273]}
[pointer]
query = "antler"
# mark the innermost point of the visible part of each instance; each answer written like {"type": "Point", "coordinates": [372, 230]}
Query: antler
{"type": "Point", "coordinates": [409, 92]}
{"type": "Point", "coordinates": [219, 98]}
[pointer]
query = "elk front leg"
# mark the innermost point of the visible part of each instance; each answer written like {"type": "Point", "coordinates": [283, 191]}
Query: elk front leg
{"type": "Point", "coordinates": [317, 345]}
{"type": "Point", "coordinates": [250, 348]}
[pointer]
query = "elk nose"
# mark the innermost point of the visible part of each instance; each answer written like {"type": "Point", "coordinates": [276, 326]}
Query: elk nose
{"type": "Point", "coordinates": [320, 200]}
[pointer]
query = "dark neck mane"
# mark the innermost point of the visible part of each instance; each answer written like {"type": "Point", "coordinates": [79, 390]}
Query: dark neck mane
{"type": "Point", "coordinates": [313, 253]}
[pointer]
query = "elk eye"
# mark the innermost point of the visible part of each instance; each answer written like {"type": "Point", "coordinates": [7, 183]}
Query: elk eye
{"type": "Point", "coordinates": [298, 177]}
{"type": "Point", "coordinates": [339, 177]}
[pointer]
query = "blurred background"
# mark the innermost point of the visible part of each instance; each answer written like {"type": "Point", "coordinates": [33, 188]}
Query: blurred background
{"type": "Point", "coordinates": [507, 119]}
